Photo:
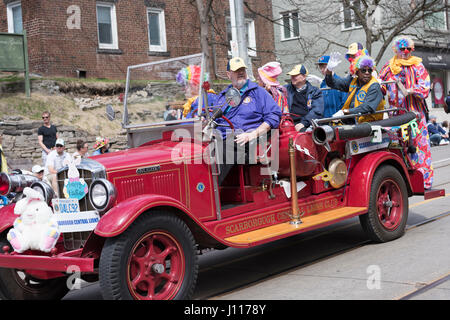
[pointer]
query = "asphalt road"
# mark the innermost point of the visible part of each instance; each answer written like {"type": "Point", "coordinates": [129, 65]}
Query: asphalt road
{"type": "Point", "coordinates": [336, 262]}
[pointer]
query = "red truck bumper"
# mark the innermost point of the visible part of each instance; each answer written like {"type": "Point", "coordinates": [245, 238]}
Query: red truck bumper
{"type": "Point", "coordinates": [64, 262]}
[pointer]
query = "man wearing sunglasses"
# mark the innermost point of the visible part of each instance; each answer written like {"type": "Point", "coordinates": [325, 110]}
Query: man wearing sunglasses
{"type": "Point", "coordinates": [365, 96]}
{"type": "Point", "coordinates": [47, 135]}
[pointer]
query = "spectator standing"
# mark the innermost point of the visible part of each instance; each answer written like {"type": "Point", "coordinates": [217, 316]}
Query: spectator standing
{"type": "Point", "coordinates": [82, 149]}
{"type": "Point", "coordinates": [333, 99]}
{"type": "Point", "coordinates": [55, 160]}
{"type": "Point", "coordinates": [304, 99]}
{"type": "Point", "coordinates": [3, 164]}
{"type": "Point", "coordinates": [47, 135]}
{"type": "Point", "coordinates": [438, 136]}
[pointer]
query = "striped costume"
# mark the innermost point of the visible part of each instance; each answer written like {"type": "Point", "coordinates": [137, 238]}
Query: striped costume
{"type": "Point", "coordinates": [413, 75]}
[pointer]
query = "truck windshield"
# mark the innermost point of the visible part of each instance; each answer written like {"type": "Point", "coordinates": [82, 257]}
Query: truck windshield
{"type": "Point", "coordinates": [157, 92]}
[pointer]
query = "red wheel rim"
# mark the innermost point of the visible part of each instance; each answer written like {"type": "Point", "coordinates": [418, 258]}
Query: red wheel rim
{"type": "Point", "coordinates": [390, 204]}
{"type": "Point", "coordinates": [155, 267]}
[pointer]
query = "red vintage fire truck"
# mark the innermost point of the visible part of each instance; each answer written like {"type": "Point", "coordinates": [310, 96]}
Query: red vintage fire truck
{"type": "Point", "coordinates": [158, 203]}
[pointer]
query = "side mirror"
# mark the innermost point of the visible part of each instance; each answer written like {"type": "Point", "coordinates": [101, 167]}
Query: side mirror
{"type": "Point", "coordinates": [110, 113]}
{"type": "Point", "coordinates": [233, 97]}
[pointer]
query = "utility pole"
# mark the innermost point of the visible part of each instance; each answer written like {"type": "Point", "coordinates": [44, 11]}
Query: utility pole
{"type": "Point", "coordinates": [239, 39]}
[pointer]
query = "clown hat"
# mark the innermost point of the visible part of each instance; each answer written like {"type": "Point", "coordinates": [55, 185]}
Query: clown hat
{"type": "Point", "coordinates": [269, 73]}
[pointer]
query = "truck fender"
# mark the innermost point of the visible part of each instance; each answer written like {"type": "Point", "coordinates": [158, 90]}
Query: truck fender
{"type": "Point", "coordinates": [362, 175]}
{"type": "Point", "coordinates": [121, 216]}
{"type": "Point", "coordinates": [7, 217]}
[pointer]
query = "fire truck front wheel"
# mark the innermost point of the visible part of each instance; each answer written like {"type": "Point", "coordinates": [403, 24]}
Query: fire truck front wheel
{"type": "Point", "coordinates": [388, 206]}
{"type": "Point", "coordinates": [154, 259]}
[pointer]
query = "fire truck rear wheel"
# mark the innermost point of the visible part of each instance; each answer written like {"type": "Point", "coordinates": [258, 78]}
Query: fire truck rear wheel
{"type": "Point", "coordinates": [17, 285]}
{"type": "Point", "coordinates": [154, 259]}
{"type": "Point", "coordinates": [388, 206]}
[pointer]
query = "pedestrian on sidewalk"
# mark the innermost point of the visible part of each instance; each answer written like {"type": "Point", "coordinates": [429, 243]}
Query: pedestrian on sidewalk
{"type": "Point", "coordinates": [47, 135]}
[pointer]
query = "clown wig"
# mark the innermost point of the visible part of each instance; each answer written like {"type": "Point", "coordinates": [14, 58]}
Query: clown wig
{"type": "Point", "coordinates": [364, 61]}
{"type": "Point", "coordinates": [190, 75]}
{"type": "Point", "coordinates": [402, 42]}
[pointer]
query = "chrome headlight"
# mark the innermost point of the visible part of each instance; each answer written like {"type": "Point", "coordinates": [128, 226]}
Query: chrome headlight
{"type": "Point", "coordinates": [102, 194]}
{"type": "Point", "coordinates": [45, 189]}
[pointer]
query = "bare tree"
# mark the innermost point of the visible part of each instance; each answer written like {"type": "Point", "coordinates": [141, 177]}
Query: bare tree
{"type": "Point", "coordinates": [380, 21]}
{"type": "Point", "coordinates": [204, 9]}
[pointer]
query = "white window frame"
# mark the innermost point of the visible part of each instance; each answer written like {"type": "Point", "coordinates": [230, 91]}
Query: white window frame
{"type": "Point", "coordinates": [9, 14]}
{"type": "Point", "coordinates": [445, 14]}
{"type": "Point", "coordinates": [352, 18]}
{"type": "Point", "coordinates": [162, 30]}
{"type": "Point", "coordinates": [115, 42]}
{"type": "Point", "coordinates": [291, 26]}
{"type": "Point", "coordinates": [251, 45]}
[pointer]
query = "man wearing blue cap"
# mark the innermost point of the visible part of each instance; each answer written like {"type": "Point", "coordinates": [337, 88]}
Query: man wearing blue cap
{"type": "Point", "coordinates": [333, 99]}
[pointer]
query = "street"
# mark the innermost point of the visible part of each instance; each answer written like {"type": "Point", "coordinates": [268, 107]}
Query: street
{"type": "Point", "coordinates": [336, 262]}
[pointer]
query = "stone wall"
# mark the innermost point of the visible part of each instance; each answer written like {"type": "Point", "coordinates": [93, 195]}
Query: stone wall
{"type": "Point", "coordinates": [21, 147]}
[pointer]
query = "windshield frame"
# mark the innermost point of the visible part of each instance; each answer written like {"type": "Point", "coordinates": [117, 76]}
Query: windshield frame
{"type": "Point", "coordinates": [125, 118]}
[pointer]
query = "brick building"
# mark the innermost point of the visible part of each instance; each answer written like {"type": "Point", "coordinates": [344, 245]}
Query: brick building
{"type": "Point", "coordinates": [101, 38]}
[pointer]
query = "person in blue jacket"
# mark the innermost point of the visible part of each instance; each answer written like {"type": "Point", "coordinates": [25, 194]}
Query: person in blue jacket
{"type": "Point", "coordinates": [333, 99]}
{"type": "Point", "coordinates": [304, 99]}
{"type": "Point", "coordinates": [255, 115]}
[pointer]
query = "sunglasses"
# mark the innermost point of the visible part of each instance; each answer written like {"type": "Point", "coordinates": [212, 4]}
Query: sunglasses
{"type": "Point", "coordinates": [366, 70]}
{"type": "Point", "coordinates": [59, 146]}
{"type": "Point", "coordinates": [45, 117]}
{"type": "Point", "coordinates": [403, 49]}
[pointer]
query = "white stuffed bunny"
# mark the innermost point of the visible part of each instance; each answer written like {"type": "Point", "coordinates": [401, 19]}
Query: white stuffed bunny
{"type": "Point", "coordinates": [36, 228]}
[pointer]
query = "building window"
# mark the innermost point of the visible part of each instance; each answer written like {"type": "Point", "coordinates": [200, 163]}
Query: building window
{"type": "Point", "coordinates": [156, 30]}
{"type": "Point", "coordinates": [14, 13]}
{"type": "Point", "coordinates": [351, 21]}
{"type": "Point", "coordinates": [438, 20]}
{"type": "Point", "coordinates": [290, 26]}
{"type": "Point", "coordinates": [107, 26]}
{"type": "Point", "coordinates": [249, 36]}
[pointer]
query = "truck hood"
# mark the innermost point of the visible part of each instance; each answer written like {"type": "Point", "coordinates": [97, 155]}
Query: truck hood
{"type": "Point", "coordinates": [161, 152]}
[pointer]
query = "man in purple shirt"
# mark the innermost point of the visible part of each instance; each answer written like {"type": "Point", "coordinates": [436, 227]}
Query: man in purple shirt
{"type": "Point", "coordinates": [255, 115]}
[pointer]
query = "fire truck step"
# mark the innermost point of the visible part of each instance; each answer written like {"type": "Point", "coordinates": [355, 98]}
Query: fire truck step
{"type": "Point", "coordinates": [286, 228]}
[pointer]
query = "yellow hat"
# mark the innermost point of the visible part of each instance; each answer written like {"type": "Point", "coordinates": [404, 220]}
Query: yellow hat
{"type": "Point", "coordinates": [298, 69]}
{"type": "Point", "coordinates": [235, 64]}
{"type": "Point", "coordinates": [354, 47]}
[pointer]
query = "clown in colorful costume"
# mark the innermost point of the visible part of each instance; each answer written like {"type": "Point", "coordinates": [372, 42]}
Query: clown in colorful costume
{"type": "Point", "coordinates": [365, 95]}
{"type": "Point", "coordinates": [410, 72]}
{"type": "Point", "coordinates": [190, 78]}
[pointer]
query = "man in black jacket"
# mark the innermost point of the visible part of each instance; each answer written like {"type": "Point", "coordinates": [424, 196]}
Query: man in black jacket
{"type": "Point", "coordinates": [304, 99]}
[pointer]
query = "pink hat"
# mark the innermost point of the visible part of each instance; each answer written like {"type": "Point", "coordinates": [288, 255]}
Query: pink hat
{"type": "Point", "coordinates": [269, 73]}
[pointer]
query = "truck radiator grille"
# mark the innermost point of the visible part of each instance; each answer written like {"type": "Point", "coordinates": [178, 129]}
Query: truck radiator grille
{"type": "Point", "coordinates": [76, 240]}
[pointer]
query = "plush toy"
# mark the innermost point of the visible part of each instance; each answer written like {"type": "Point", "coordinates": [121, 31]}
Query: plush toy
{"type": "Point", "coordinates": [74, 186]}
{"type": "Point", "coordinates": [36, 228]}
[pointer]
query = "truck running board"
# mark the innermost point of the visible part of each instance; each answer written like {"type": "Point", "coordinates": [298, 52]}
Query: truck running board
{"type": "Point", "coordinates": [433, 193]}
{"type": "Point", "coordinates": [285, 229]}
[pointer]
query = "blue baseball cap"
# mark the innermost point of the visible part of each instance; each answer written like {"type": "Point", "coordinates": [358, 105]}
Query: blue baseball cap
{"type": "Point", "coordinates": [323, 59]}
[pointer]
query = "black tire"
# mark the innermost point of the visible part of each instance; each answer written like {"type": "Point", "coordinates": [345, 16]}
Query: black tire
{"type": "Point", "coordinates": [17, 285]}
{"type": "Point", "coordinates": [155, 258]}
{"type": "Point", "coordinates": [388, 206]}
